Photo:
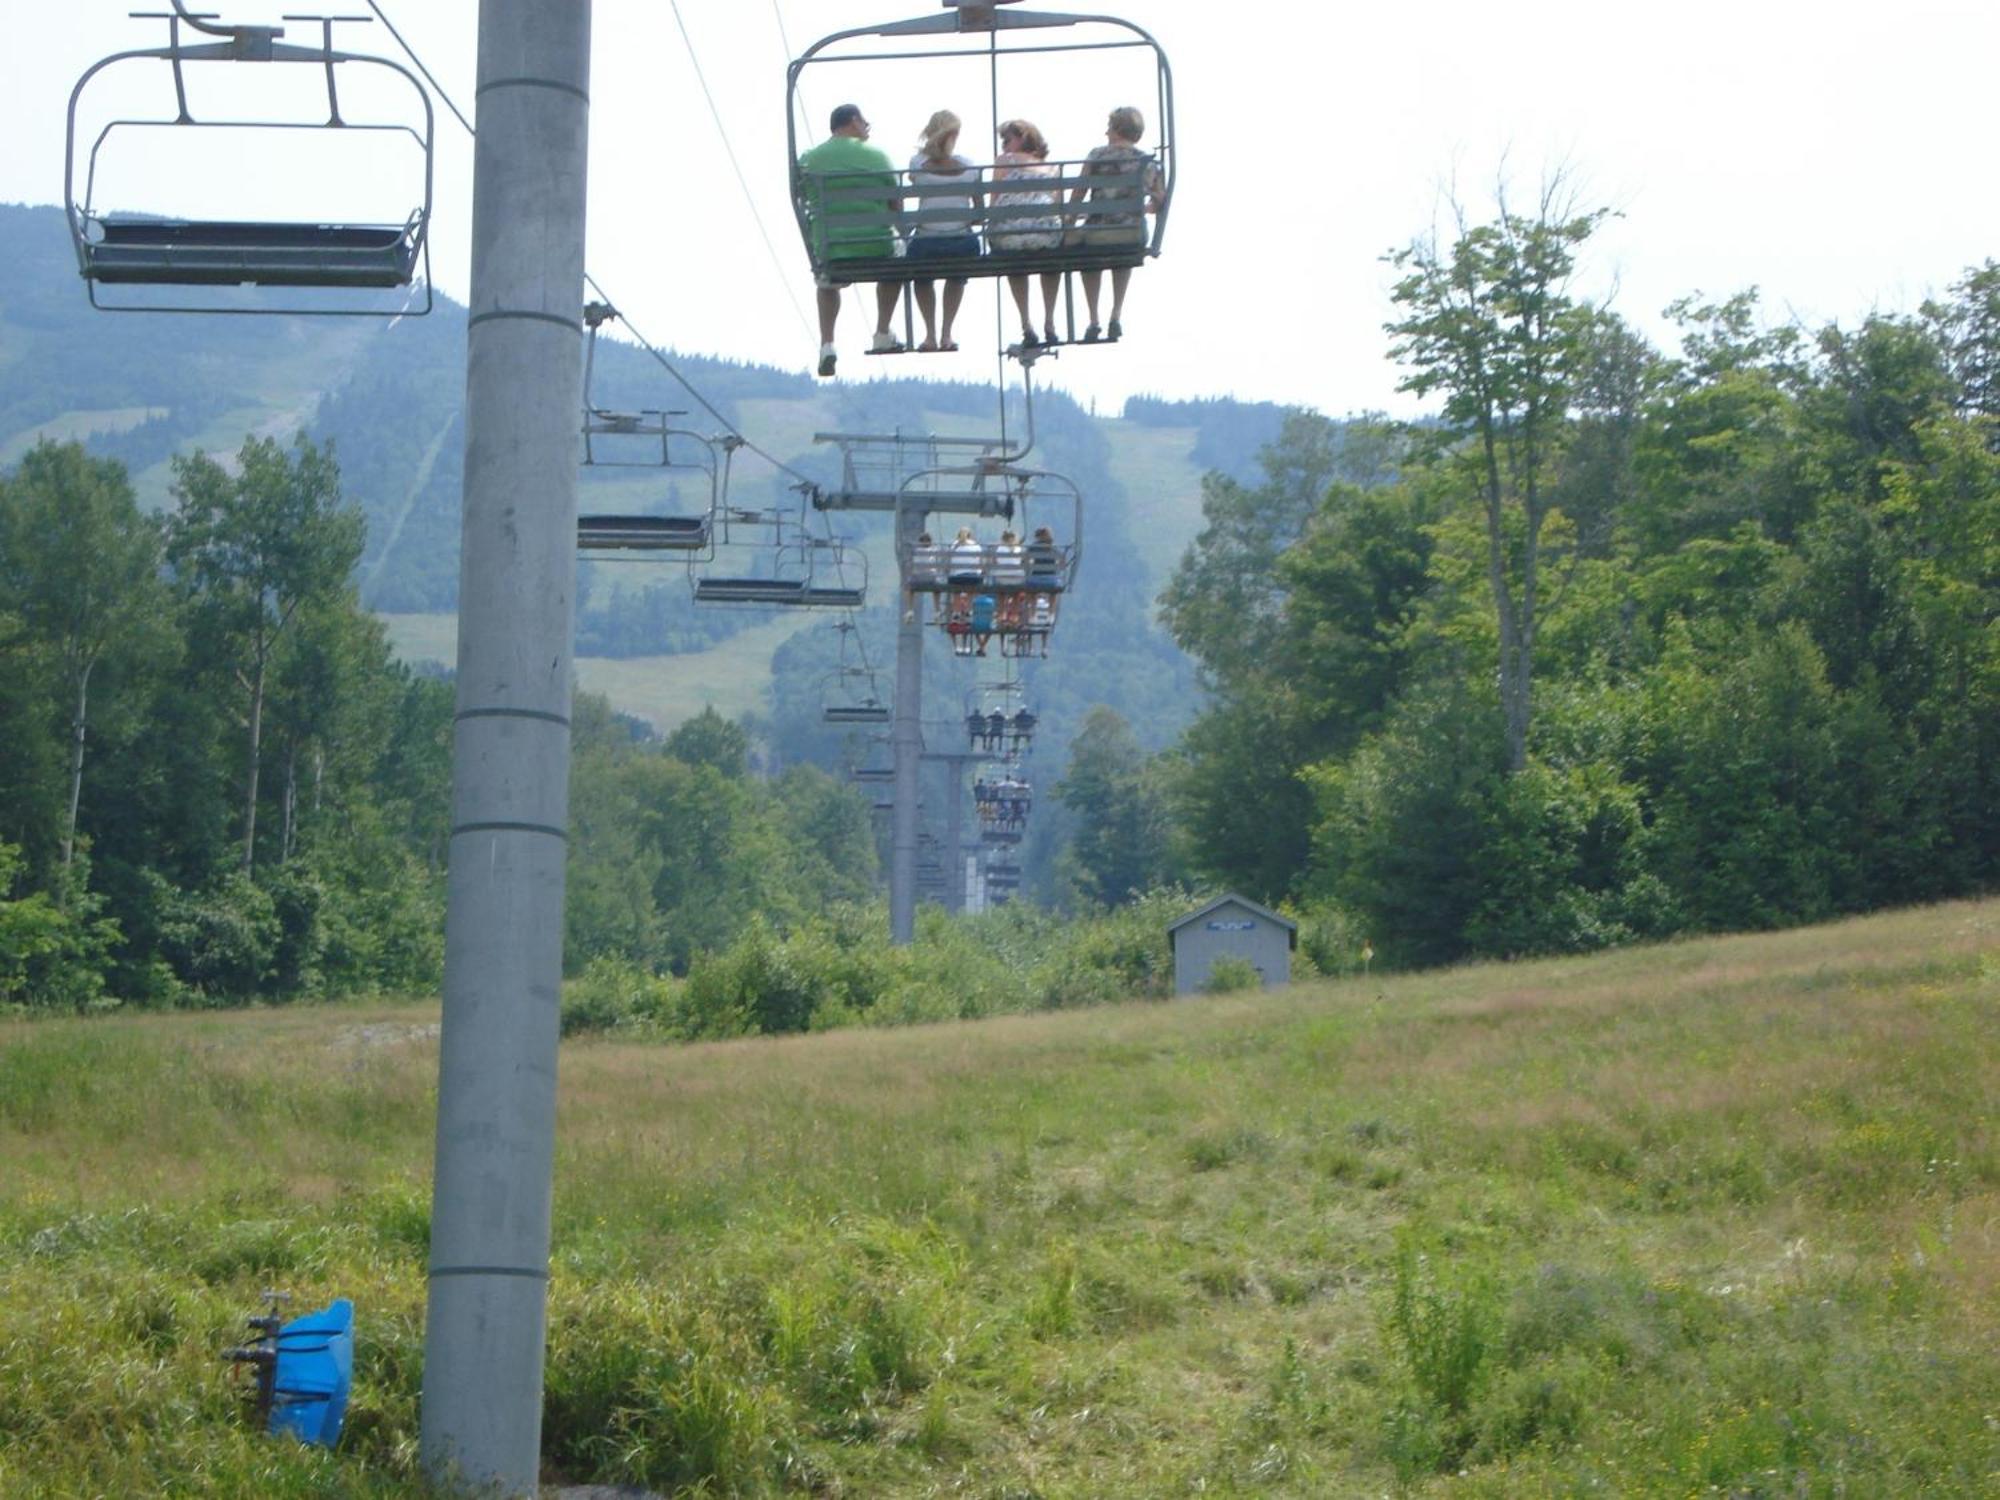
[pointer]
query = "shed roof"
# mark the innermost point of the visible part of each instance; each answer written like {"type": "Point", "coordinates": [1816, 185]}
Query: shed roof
{"type": "Point", "coordinates": [1225, 899]}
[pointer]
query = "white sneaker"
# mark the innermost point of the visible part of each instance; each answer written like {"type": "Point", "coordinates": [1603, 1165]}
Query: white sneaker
{"type": "Point", "coordinates": [886, 342]}
{"type": "Point", "coordinates": [827, 356]}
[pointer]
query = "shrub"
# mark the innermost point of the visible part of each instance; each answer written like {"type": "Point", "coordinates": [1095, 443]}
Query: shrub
{"type": "Point", "coordinates": [1231, 973]}
{"type": "Point", "coordinates": [53, 954]}
{"type": "Point", "coordinates": [220, 942]}
{"type": "Point", "coordinates": [611, 992]}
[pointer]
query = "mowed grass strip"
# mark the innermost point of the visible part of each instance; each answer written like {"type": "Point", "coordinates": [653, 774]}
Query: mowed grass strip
{"type": "Point", "coordinates": [1722, 1216]}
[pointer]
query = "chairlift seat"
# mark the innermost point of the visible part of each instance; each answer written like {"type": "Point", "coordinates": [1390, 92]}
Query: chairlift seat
{"type": "Point", "coordinates": [857, 203]}
{"type": "Point", "coordinates": [129, 250]}
{"type": "Point", "coordinates": [829, 596]}
{"type": "Point", "coordinates": [643, 533]}
{"type": "Point", "coordinates": [874, 775]}
{"type": "Point", "coordinates": [936, 577]}
{"type": "Point", "coordinates": [857, 713]}
{"type": "Point", "coordinates": [750, 590]}
{"type": "Point", "coordinates": [793, 591]}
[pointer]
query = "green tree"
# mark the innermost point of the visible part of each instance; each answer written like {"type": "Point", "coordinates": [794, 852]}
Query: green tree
{"type": "Point", "coordinates": [1490, 325]}
{"type": "Point", "coordinates": [708, 739]}
{"type": "Point", "coordinates": [331, 706]}
{"type": "Point", "coordinates": [1119, 847]}
{"type": "Point", "coordinates": [80, 566]}
{"type": "Point", "coordinates": [250, 550]}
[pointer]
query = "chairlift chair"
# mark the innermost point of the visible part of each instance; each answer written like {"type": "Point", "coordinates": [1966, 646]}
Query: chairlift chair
{"type": "Point", "coordinates": [844, 217]}
{"type": "Point", "coordinates": [683, 451]}
{"type": "Point", "coordinates": [798, 578]}
{"type": "Point", "coordinates": [925, 475]}
{"type": "Point", "coordinates": [838, 706]}
{"type": "Point", "coordinates": [115, 249]}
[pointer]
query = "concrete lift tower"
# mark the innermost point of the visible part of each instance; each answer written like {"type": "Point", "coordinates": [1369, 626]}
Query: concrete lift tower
{"type": "Point", "coordinates": [485, 1327]}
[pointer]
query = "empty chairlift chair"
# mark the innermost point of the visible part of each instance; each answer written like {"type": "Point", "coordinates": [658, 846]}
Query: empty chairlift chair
{"type": "Point", "coordinates": [336, 267]}
{"type": "Point", "coordinates": [807, 572]}
{"type": "Point", "coordinates": [850, 695]}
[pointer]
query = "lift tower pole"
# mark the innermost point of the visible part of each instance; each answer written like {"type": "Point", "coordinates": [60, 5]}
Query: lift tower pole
{"type": "Point", "coordinates": [485, 1325]}
{"type": "Point", "coordinates": [906, 740]}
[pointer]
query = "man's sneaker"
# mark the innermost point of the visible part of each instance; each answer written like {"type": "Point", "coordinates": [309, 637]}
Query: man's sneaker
{"type": "Point", "coordinates": [826, 359]}
{"type": "Point", "coordinates": [886, 343]}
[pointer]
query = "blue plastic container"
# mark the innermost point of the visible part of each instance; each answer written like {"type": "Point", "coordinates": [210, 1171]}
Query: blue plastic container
{"type": "Point", "coordinates": [314, 1372]}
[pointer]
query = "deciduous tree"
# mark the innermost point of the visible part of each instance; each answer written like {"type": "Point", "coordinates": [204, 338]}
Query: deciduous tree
{"type": "Point", "coordinates": [1489, 324]}
{"type": "Point", "coordinates": [250, 549]}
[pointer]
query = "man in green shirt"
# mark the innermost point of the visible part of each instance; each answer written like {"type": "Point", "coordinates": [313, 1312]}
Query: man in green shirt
{"type": "Point", "coordinates": [846, 160]}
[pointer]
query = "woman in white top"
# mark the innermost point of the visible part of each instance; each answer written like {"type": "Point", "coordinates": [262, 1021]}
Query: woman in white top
{"type": "Point", "coordinates": [940, 166]}
{"type": "Point", "coordinates": [1024, 158]}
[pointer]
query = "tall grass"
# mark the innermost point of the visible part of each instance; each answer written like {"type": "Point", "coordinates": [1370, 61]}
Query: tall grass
{"type": "Point", "coordinates": [1721, 1217]}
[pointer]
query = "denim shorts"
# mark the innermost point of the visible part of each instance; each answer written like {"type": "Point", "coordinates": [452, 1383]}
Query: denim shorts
{"type": "Point", "coordinates": [931, 246]}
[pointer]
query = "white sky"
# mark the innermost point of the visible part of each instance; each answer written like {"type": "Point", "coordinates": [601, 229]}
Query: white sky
{"type": "Point", "coordinates": [1834, 154]}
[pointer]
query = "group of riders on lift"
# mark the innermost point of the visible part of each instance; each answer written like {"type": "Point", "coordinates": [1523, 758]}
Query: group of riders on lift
{"type": "Point", "coordinates": [1037, 217]}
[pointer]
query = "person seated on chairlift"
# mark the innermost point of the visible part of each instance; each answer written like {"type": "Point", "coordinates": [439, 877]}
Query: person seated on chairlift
{"type": "Point", "coordinates": [1023, 158]}
{"type": "Point", "coordinates": [1024, 728]}
{"type": "Point", "coordinates": [846, 155]}
{"type": "Point", "coordinates": [996, 729]}
{"type": "Point", "coordinates": [1117, 211]}
{"type": "Point", "coordinates": [1044, 560]}
{"type": "Point", "coordinates": [968, 559]}
{"type": "Point", "coordinates": [1009, 573]}
{"type": "Point", "coordinates": [1042, 619]}
{"type": "Point", "coordinates": [938, 164]}
{"type": "Point", "coordinates": [983, 609]}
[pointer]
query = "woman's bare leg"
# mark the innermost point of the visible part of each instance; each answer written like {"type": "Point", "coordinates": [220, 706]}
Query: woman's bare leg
{"type": "Point", "coordinates": [1018, 285]}
{"type": "Point", "coordinates": [954, 293]}
{"type": "Point", "coordinates": [1121, 277]}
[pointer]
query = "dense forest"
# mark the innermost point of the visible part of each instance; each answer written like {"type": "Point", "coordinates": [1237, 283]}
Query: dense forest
{"type": "Point", "coordinates": [1623, 644]}
{"type": "Point", "coordinates": [1616, 643]}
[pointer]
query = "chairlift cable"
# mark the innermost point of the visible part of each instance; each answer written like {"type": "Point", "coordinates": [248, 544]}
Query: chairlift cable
{"type": "Point", "coordinates": [410, 53]}
{"type": "Point", "coordinates": [591, 281]}
{"type": "Point", "coordinates": [730, 151]}
{"type": "Point", "coordinates": [805, 113]}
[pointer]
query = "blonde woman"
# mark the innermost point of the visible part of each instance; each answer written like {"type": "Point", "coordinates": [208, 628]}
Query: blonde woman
{"type": "Point", "coordinates": [1023, 159]}
{"type": "Point", "coordinates": [1118, 209]}
{"type": "Point", "coordinates": [938, 167]}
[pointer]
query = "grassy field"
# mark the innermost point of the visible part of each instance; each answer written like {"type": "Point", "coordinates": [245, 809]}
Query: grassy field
{"type": "Point", "coordinates": [733, 676]}
{"type": "Point", "coordinates": [1721, 1217]}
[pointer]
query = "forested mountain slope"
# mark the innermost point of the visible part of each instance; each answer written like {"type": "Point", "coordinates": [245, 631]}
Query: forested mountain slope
{"type": "Point", "coordinates": [389, 397]}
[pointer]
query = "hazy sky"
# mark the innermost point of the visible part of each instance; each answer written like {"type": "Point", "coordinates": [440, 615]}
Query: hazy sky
{"type": "Point", "coordinates": [1835, 155]}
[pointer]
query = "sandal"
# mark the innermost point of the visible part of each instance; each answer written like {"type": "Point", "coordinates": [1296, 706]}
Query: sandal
{"type": "Point", "coordinates": [1028, 339]}
{"type": "Point", "coordinates": [949, 346]}
{"type": "Point", "coordinates": [928, 346]}
{"type": "Point", "coordinates": [1092, 334]}
{"type": "Point", "coordinates": [1114, 331]}
{"type": "Point", "coordinates": [1049, 336]}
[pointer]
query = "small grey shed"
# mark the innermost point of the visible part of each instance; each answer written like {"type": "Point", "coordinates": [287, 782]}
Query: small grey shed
{"type": "Point", "coordinates": [1232, 926]}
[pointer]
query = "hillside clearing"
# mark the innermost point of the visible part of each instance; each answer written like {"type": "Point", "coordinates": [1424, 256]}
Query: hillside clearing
{"type": "Point", "coordinates": [1723, 1214]}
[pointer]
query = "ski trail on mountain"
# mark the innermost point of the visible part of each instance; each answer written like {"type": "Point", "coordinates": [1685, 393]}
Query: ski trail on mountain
{"type": "Point", "coordinates": [417, 483]}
